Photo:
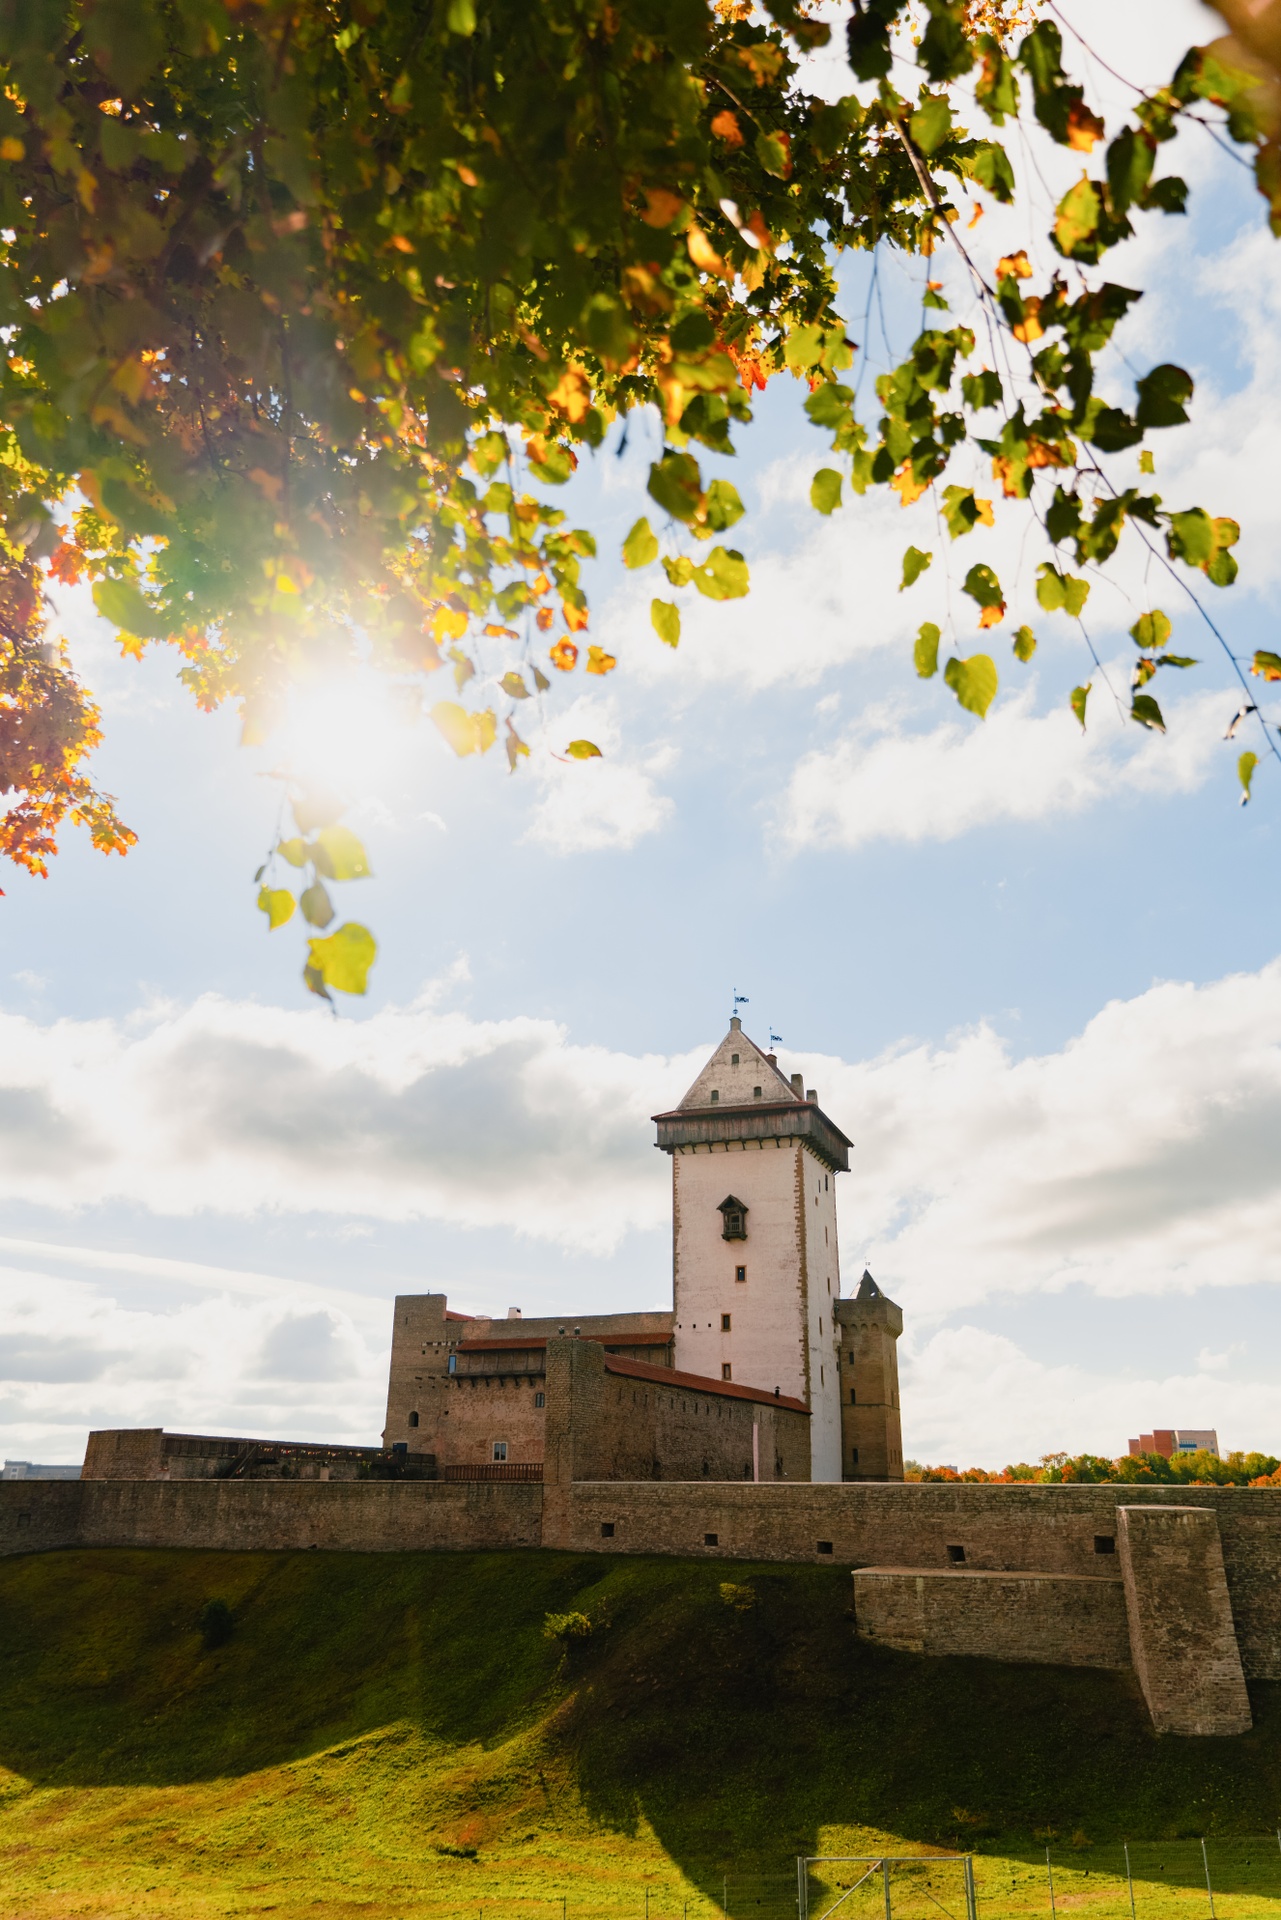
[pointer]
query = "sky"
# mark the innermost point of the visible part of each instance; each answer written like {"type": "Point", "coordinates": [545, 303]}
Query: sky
{"type": "Point", "coordinates": [1035, 975]}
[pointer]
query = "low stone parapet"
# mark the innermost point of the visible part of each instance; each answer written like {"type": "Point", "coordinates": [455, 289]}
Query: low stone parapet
{"type": "Point", "coordinates": [1050, 1619]}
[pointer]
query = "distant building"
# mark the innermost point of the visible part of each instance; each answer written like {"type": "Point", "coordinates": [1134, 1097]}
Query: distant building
{"type": "Point", "coordinates": [28, 1470]}
{"type": "Point", "coordinates": [1172, 1440]}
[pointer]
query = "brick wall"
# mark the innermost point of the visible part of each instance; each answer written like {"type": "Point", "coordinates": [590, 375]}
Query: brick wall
{"type": "Point", "coordinates": [1063, 1619]}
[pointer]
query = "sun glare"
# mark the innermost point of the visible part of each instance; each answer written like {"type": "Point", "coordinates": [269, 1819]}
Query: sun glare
{"type": "Point", "coordinates": [354, 732]}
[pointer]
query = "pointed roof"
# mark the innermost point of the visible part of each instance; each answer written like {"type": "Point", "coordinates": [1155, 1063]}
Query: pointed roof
{"type": "Point", "coordinates": [741, 1095]}
{"type": "Point", "coordinates": [867, 1288]}
{"type": "Point", "coordinates": [734, 1072]}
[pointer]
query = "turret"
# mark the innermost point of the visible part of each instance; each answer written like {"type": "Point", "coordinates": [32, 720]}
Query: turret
{"type": "Point", "coordinates": [871, 1433]}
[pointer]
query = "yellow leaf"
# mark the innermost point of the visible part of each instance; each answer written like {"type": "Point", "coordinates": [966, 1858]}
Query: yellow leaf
{"type": "Point", "coordinates": [278, 905]}
{"type": "Point", "coordinates": [1029, 327]}
{"type": "Point", "coordinates": [572, 395]}
{"type": "Point", "coordinates": [1014, 266]}
{"type": "Point", "coordinates": [542, 584]}
{"type": "Point", "coordinates": [11, 149]}
{"type": "Point", "coordinates": [449, 623]}
{"type": "Point", "coordinates": [343, 959]}
{"type": "Point", "coordinates": [575, 617]}
{"type": "Point", "coordinates": [598, 661]}
{"type": "Point", "coordinates": [564, 655]}
{"type": "Point", "coordinates": [583, 750]}
{"type": "Point", "coordinates": [704, 254]}
{"type": "Point", "coordinates": [906, 484]}
{"type": "Point", "coordinates": [466, 732]}
{"type": "Point", "coordinates": [494, 632]}
{"type": "Point", "coordinates": [986, 516]}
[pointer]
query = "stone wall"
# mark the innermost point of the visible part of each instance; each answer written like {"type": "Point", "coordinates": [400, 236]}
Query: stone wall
{"type": "Point", "coordinates": [1182, 1634]}
{"type": "Point", "coordinates": [1059, 1619]}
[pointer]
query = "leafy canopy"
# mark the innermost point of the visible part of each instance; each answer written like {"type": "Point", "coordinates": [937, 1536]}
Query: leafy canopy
{"type": "Point", "coordinates": [310, 305]}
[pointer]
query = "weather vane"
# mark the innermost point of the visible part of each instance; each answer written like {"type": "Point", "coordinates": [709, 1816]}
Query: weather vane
{"type": "Point", "coordinates": [740, 1000]}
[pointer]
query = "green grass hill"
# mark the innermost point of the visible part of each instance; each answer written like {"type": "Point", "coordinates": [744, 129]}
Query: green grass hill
{"type": "Point", "coordinates": [399, 1736]}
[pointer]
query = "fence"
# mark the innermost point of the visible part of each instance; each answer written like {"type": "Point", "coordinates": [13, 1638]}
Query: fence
{"type": "Point", "coordinates": [1228, 1878]}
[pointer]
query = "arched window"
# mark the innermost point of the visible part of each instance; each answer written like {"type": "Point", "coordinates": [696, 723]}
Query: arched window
{"type": "Point", "coordinates": [733, 1214]}
{"type": "Point", "coordinates": [413, 1419]}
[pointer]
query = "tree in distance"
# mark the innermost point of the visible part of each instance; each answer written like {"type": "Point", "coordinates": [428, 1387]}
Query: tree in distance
{"type": "Point", "coordinates": [311, 305]}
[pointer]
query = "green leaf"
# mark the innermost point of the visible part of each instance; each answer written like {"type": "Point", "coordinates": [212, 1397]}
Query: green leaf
{"type": "Point", "coordinates": [343, 959]}
{"type": "Point", "coordinates": [1151, 630]}
{"type": "Point", "coordinates": [278, 905]}
{"type": "Point", "coordinates": [1145, 710]}
{"type": "Point", "coordinates": [723, 575]}
{"type": "Point", "coordinates": [1266, 664]}
{"type": "Point", "coordinates": [583, 750]}
{"type": "Point", "coordinates": [1198, 540]}
{"type": "Point", "coordinates": [641, 545]}
{"type": "Point", "coordinates": [772, 152]}
{"type": "Point", "coordinates": [1146, 462]}
{"type": "Point", "coordinates": [513, 686]}
{"type": "Point", "coordinates": [868, 43]}
{"type": "Point", "coordinates": [1077, 220]}
{"type": "Point", "coordinates": [962, 512]}
{"type": "Point", "coordinates": [460, 17]}
{"type": "Point", "coordinates": [1177, 660]}
{"type": "Point", "coordinates": [677, 485]}
{"type": "Point", "coordinates": [925, 654]}
{"type": "Point", "coordinates": [679, 569]}
{"type": "Point", "coordinates": [990, 166]}
{"type": "Point", "coordinates": [317, 907]}
{"type": "Point", "coordinates": [666, 618]}
{"type": "Point", "coordinates": [339, 855]}
{"type": "Point", "coordinates": [1024, 644]}
{"type": "Point", "coordinates": [914, 565]}
{"type": "Point", "coordinates": [488, 454]}
{"type": "Point", "coordinates": [983, 587]}
{"type": "Point", "coordinates": [973, 681]}
{"type": "Point", "coordinates": [825, 490]}
{"type": "Point", "coordinates": [932, 121]}
{"type": "Point", "coordinates": [296, 852]}
{"type": "Point", "coordinates": [1163, 396]}
{"type": "Point", "coordinates": [1077, 699]}
{"type": "Point", "coordinates": [981, 390]}
{"type": "Point", "coordinates": [1057, 591]}
{"type": "Point", "coordinates": [723, 507]}
{"type": "Point", "coordinates": [829, 404]}
{"type": "Point", "coordinates": [121, 602]}
{"type": "Point", "coordinates": [1245, 774]}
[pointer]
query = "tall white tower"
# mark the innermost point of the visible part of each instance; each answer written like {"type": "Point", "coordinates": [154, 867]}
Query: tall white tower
{"type": "Point", "coordinates": [756, 1271]}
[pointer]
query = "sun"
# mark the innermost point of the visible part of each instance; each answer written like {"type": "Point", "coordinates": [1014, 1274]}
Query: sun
{"type": "Point", "coordinates": [353, 731]}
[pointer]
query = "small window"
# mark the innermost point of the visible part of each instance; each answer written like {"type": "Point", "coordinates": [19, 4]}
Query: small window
{"type": "Point", "coordinates": [853, 1456]}
{"type": "Point", "coordinates": [853, 1397]}
{"type": "Point", "coordinates": [413, 1419]}
{"type": "Point", "coordinates": [727, 1372]}
{"type": "Point", "coordinates": [711, 1540]}
{"type": "Point", "coordinates": [756, 1093]}
{"type": "Point", "coordinates": [956, 1555]}
{"type": "Point", "coordinates": [733, 1059]}
{"type": "Point", "coordinates": [824, 1546]}
{"type": "Point", "coordinates": [606, 1529]}
{"type": "Point", "coordinates": [1104, 1543]}
{"type": "Point", "coordinates": [540, 1399]}
{"type": "Point", "coordinates": [715, 1096]}
{"type": "Point", "coordinates": [740, 1273]}
{"type": "Point", "coordinates": [733, 1214]}
{"type": "Point", "coordinates": [725, 1323]}
{"type": "Point", "coordinates": [500, 1449]}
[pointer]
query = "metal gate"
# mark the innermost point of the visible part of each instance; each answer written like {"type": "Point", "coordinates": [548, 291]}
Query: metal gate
{"type": "Point", "coordinates": [876, 1877]}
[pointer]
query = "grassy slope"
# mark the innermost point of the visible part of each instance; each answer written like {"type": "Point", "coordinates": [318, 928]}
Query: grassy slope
{"type": "Point", "coordinates": [377, 1720]}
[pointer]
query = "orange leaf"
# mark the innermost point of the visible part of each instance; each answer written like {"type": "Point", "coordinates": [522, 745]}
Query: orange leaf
{"type": "Point", "coordinates": [542, 584]}
{"type": "Point", "coordinates": [1084, 127]}
{"type": "Point", "coordinates": [467, 177]}
{"type": "Point", "coordinates": [725, 126]}
{"type": "Point", "coordinates": [131, 647]}
{"type": "Point", "coordinates": [572, 395]}
{"type": "Point", "coordinates": [977, 214]}
{"type": "Point", "coordinates": [1014, 266]}
{"type": "Point", "coordinates": [268, 483]}
{"type": "Point", "coordinates": [575, 617]}
{"type": "Point", "coordinates": [598, 661]}
{"type": "Point", "coordinates": [495, 632]}
{"type": "Point", "coordinates": [544, 618]}
{"type": "Point", "coordinates": [401, 244]}
{"type": "Point", "coordinates": [563, 655]}
{"type": "Point", "coordinates": [661, 207]}
{"type": "Point", "coordinates": [64, 564]}
{"type": "Point", "coordinates": [992, 616]}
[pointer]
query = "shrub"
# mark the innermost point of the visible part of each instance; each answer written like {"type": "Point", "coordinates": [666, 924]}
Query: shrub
{"type": "Point", "coordinates": [215, 1624]}
{"type": "Point", "coordinates": [567, 1626]}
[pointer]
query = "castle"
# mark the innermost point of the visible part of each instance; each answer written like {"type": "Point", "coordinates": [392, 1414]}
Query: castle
{"type": "Point", "coordinates": [794, 1382]}
{"type": "Point", "coordinates": [757, 1420]}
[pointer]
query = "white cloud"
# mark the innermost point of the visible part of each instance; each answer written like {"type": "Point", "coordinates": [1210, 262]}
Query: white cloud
{"type": "Point", "coordinates": [1138, 1160]}
{"type": "Point", "coordinates": [885, 781]}
{"type": "Point", "coordinates": [412, 1114]}
{"type": "Point", "coordinates": [590, 805]}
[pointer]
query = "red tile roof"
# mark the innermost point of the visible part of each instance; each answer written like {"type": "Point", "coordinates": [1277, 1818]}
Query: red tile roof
{"type": "Point", "coordinates": [528, 1342]}
{"type": "Point", "coordinates": [695, 1383]}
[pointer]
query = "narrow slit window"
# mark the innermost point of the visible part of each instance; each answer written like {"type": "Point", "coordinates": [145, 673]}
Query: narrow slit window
{"type": "Point", "coordinates": [727, 1372]}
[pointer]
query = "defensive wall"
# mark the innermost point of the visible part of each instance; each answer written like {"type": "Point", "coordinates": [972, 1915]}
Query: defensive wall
{"type": "Point", "coordinates": [1181, 1585]}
